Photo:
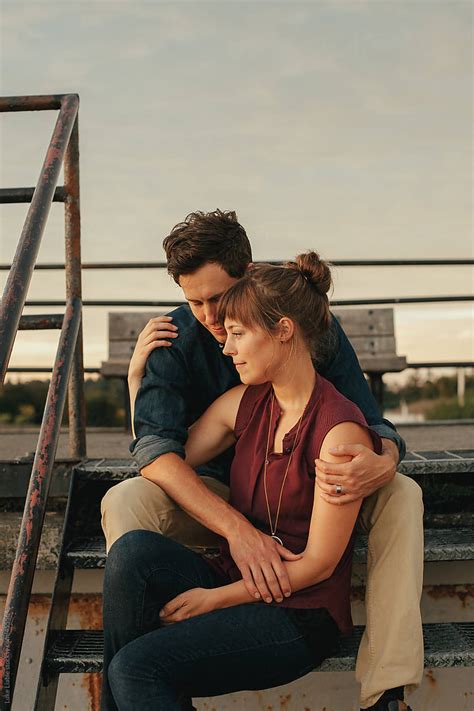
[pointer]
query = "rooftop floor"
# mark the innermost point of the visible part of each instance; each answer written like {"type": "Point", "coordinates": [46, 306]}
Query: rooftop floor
{"type": "Point", "coordinates": [101, 442]}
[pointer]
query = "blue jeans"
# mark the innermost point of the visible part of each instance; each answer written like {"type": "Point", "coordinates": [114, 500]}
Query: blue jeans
{"type": "Point", "coordinates": [148, 667]}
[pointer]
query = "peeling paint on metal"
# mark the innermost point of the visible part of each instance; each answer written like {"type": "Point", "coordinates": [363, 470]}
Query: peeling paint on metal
{"type": "Point", "coordinates": [464, 593]}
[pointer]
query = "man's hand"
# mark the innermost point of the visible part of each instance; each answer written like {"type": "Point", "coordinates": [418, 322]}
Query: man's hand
{"type": "Point", "coordinates": [360, 477]}
{"type": "Point", "coordinates": [259, 559]}
{"type": "Point", "coordinates": [188, 604]}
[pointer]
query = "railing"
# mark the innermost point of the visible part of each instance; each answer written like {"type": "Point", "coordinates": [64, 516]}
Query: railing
{"type": "Point", "coordinates": [68, 366]}
{"type": "Point", "coordinates": [7, 195]}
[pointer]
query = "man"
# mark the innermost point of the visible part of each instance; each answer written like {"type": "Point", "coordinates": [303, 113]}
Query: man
{"type": "Point", "coordinates": [206, 254]}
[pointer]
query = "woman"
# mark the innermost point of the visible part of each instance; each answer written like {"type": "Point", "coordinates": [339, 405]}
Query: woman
{"type": "Point", "coordinates": [182, 625]}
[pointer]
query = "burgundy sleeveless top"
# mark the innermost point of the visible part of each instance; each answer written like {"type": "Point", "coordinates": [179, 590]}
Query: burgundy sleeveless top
{"type": "Point", "coordinates": [325, 409]}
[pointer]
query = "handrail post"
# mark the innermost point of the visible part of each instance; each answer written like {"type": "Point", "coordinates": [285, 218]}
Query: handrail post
{"type": "Point", "coordinates": [72, 216]}
{"type": "Point", "coordinates": [19, 277]}
{"type": "Point", "coordinates": [16, 606]}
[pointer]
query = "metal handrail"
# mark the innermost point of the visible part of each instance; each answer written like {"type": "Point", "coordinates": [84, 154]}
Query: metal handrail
{"type": "Point", "coordinates": [409, 366]}
{"type": "Point", "coordinates": [63, 149]}
{"type": "Point", "coordinates": [20, 274]}
{"type": "Point", "coordinates": [22, 197]}
{"type": "Point", "coordinates": [68, 372]}
{"type": "Point", "coordinates": [337, 302]}
{"type": "Point", "coordinates": [21, 581]}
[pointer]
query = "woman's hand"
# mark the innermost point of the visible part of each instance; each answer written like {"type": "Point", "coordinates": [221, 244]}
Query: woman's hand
{"type": "Point", "coordinates": [193, 602]}
{"type": "Point", "coordinates": [153, 336]}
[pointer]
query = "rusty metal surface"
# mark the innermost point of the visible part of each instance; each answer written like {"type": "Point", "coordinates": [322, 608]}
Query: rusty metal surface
{"type": "Point", "coordinates": [40, 321]}
{"type": "Point", "coordinates": [24, 566]}
{"type": "Point", "coordinates": [17, 195]}
{"type": "Point", "coordinates": [19, 277]}
{"type": "Point", "coordinates": [72, 217]}
{"type": "Point", "coordinates": [45, 102]}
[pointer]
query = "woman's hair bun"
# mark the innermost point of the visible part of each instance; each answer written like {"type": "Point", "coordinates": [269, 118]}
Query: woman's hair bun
{"type": "Point", "coordinates": [315, 270]}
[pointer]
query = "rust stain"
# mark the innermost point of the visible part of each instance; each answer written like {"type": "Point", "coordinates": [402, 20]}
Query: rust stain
{"type": "Point", "coordinates": [431, 678]}
{"type": "Point", "coordinates": [89, 610]}
{"type": "Point", "coordinates": [357, 594]}
{"type": "Point", "coordinates": [461, 592]}
{"type": "Point", "coordinates": [284, 701]}
{"type": "Point", "coordinates": [93, 685]}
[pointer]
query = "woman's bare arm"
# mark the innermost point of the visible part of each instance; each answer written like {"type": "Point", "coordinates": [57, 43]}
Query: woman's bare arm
{"type": "Point", "coordinates": [324, 549]}
{"type": "Point", "coordinates": [213, 432]}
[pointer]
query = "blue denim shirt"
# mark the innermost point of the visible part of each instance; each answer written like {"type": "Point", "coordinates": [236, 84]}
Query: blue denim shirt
{"type": "Point", "coordinates": [181, 382]}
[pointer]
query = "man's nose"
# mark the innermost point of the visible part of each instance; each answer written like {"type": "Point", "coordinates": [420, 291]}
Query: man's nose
{"type": "Point", "coordinates": [210, 314]}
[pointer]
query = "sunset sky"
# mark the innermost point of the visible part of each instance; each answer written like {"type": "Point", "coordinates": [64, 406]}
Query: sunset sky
{"type": "Point", "coordinates": [341, 126]}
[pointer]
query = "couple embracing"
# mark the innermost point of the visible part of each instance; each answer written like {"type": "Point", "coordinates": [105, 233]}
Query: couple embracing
{"type": "Point", "coordinates": [255, 432]}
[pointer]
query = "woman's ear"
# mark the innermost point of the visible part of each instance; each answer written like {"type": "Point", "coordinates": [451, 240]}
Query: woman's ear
{"type": "Point", "coordinates": [286, 329]}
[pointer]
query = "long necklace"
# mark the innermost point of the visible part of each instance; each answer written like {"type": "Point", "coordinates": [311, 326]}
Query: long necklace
{"type": "Point", "coordinates": [273, 529]}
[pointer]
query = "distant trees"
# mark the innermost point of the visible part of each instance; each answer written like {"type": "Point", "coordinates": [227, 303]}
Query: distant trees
{"type": "Point", "coordinates": [435, 397]}
{"type": "Point", "coordinates": [23, 403]}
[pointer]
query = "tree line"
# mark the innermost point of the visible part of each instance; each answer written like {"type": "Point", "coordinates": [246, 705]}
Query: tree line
{"type": "Point", "coordinates": [23, 403]}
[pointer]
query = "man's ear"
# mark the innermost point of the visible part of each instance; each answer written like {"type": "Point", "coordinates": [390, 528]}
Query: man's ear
{"type": "Point", "coordinates": [286, 329]}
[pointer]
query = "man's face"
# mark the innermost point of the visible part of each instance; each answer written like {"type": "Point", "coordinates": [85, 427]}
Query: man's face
{"type": "Point", "coordinates": [202, 290]}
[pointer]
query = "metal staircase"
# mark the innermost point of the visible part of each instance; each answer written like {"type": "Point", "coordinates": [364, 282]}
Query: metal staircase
{"type": "Point", "coordinates": [80, 651]}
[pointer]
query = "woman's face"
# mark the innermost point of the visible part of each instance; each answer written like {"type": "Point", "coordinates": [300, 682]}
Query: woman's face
{"type": "Point", "coordinates": [253, 351]}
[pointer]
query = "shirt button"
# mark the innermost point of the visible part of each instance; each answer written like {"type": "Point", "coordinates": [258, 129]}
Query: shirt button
{"type": "Point", "coordinates": [287, 450]}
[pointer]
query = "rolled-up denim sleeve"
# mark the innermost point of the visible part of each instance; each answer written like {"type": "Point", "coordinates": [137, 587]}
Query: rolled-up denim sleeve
{"type": "Point", "coordinates": [341, 366]}
{"type": "Point", "coordinates": [148, 448]}
{"type": "Point", "coordinates": [162, 407]}
{"type": "Point", "coordinates": [387, 431]}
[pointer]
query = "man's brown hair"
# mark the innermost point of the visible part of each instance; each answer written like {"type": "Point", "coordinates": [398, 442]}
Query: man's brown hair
{"type": "Point", "coordinates": [208, 237]}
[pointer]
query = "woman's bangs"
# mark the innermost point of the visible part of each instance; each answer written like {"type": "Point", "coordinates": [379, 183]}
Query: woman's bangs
{"type": "Point", "coordinates": [239, 304]}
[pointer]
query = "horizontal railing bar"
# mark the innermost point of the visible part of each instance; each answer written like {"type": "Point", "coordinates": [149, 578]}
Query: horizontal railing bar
{"type": "Point", "coordinates": [444, 364]}
{"type": "Point", "coordinates": [33, 369]}
{"type": "Point", "coordinates": [38, 322]}
{"type": "Point", "coordinates": [46, 102]}
{"type": "Point", "coordinates": [343, 302]}
{"type": "Point", "coordinates": [334, 262]}
{"type": "Point", "coordinates": [431, 364]}
{"type": "Point", "coordinates": [10, 196]}
{"type": "Point", "coordinates": [16, 606]}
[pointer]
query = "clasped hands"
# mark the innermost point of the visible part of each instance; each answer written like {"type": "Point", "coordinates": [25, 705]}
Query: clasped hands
{"type": "Point", "coordinates": [259, 557]}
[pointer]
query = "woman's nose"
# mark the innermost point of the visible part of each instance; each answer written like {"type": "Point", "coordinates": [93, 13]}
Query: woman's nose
{"type": "Point", "coordinates": [228, 348]}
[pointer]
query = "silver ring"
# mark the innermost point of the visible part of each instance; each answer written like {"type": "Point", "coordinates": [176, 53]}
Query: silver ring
{"type": "Point", "coordinates": [338, 489]}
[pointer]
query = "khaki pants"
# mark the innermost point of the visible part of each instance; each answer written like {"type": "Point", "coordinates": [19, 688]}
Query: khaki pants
{"type": "Point", "coordinates": [391, 650]}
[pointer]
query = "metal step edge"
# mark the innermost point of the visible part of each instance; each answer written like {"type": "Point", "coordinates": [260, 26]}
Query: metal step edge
{"type": "Point", "coordinates": [440, 545]}
{"type": "Point", "coordinates": [446, 645]}
{"type": "Point", "coordinates": [415, 463]}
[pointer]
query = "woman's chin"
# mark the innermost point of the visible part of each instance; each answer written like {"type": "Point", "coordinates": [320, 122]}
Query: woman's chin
{"type": "Point", "coordinates": [252, 379]}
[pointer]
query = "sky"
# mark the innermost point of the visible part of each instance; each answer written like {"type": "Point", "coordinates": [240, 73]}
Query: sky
{"type": "Point", "coordinates": [341, 126]}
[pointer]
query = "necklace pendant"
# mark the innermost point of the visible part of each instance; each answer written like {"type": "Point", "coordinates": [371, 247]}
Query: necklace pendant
{"type": "Point", "coordinates": [277, 539]}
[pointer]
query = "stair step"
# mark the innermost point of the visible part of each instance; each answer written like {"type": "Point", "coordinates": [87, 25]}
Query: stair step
{"type": "Point", "coordinates": [456, 461]}
{"type": "Point", "coordinates": [446, 645]}
{"type": "Point", "coordinates": [441, 544]}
